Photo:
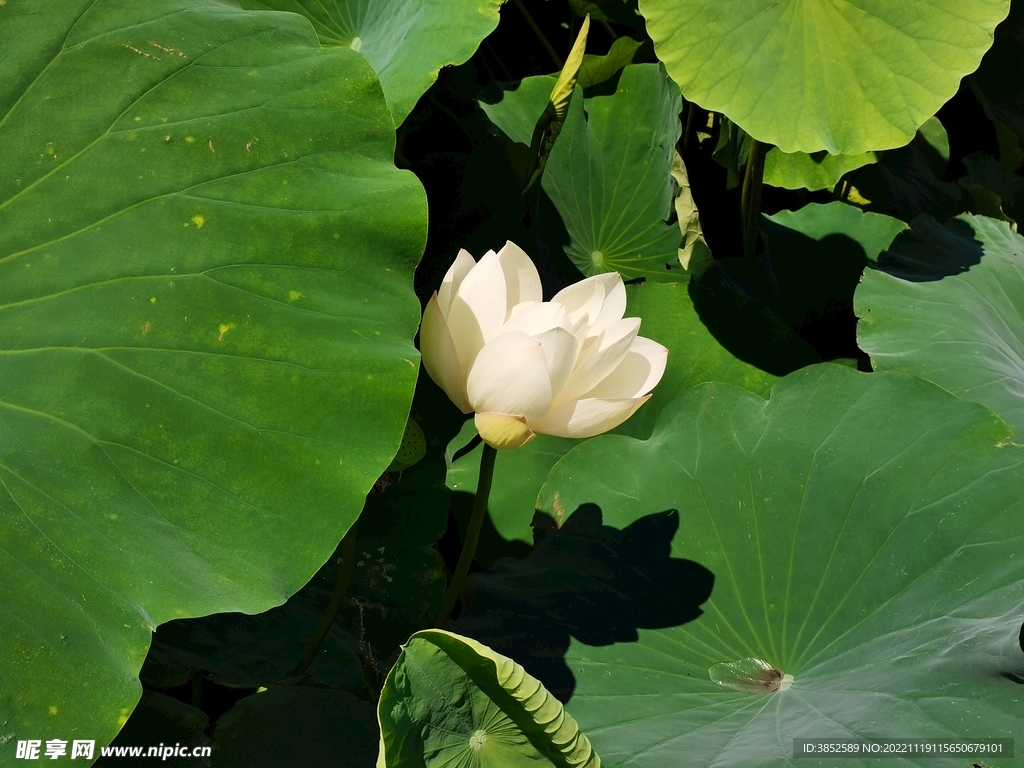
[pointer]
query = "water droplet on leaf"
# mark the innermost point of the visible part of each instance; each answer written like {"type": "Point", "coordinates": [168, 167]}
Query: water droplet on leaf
{"type": "Point", "coordinates": [749, 676]}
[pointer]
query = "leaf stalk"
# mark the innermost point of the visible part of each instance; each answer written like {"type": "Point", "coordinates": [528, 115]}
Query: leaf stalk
{"type": "Point", "coordinates": [476, 524]}
{"type": "Point", "coordinates": [750, 200]}
{"type": "Point", "coordinates": [345, 568]}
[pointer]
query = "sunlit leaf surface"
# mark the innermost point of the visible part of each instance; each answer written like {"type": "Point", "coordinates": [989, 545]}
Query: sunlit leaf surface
{"type": "Point", "coordinates": [864, 532]}
{"type": "Point", "coordinates": [206, 324]}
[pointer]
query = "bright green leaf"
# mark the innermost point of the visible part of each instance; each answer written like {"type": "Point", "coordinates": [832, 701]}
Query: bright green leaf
{"type": "Point", "coordinates": [451, 701]}
{"type": "Point", "coordinates": [948, 305]}
{"type": "Point", "coordinates": [407, 42]}
{"type": "Point", "coordinates": [821, 170]}
{"type": "Point", "coordinates": [808, 75]}
{"type": "Point", "coordinates": [596, 69]}
{"type": "Point", "coordinates": [206, 323]}
{"type": "Point", "coordinates": [864, 532]}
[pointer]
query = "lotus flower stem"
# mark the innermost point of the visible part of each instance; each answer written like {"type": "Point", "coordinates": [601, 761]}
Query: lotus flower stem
{"type": "Point", "coordinates": [476, 523]}
{"type": "Point", "coordinates": [750, 204]}
{"type": "Point", "coordinates": [345, 568]}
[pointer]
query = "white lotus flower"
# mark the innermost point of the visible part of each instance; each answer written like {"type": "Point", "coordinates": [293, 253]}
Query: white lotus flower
{"type": "Point", "coordinates": [570, 367]}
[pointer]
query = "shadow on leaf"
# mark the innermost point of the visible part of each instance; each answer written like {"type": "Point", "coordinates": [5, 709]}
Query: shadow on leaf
{"type": "Point", "coordinates": [587, 581]}
{"type": "Point", "coordinates": [930, 251]}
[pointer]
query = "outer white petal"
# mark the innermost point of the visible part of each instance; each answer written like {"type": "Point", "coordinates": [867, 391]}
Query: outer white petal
{"type": "Point", "coordinates": [511, 376]}
{"type": "Point", "coordinates": [533, 317]}
{"type": "Point", "coordinates": [439, 355]}
{"type": "Point", "coordinates": [522, 281]}
{"type": "Point", "coordinates": [605, 354]}
{"type": "Point", "coordinates": [453, 278]}
{"type": "Point", "coordinates": [586, 418]}
{"type": "Point", "coordinates": [478, 309]}
{"type": "Point", "coordinates": [640, 369]}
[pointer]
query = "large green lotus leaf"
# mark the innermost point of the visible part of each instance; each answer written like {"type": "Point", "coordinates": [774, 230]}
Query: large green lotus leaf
{"type": "Point", "coordinates": [684, 319]}
{"type": "Point", "coordinates": [406, 41]}
{"type": "Point", "coordinates": [610, 171]}
{"type": "Point", "coordinates": [451, 701]}
{"type": "Point", "coordinates": [864, 532]}
{"type": "Point", "coordinates": [965, 330]}
{"type": "Point", "coordinates": [807, 75]}
{"type": "Point", "coordinates": [206, 316]}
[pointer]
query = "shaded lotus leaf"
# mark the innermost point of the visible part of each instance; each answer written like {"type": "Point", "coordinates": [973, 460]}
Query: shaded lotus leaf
{"type": "Point", "coordinates": [731, 150]}
{"type": "Point", "coordinates": [813, 75]}
{"type": "Point", "coordinates": [908, 181]}
{"type": "Point", "coordinates": [935, 135]}
{"type": "Point", "coordinates": [1003, 92]}
{"type": "Point", "coordinates": [297, 725]}
{"type": "Point", "coordinates": [242, 651]}
{"type": "Point", "coordinates": [991, 183]}
{"type": "Point", "coordinates": [946, 303]}
{"type": "Point", "coordinates": [810, 269]}
{"type": "Point", "coordinates": [583, 580]}
{"type": "Point", "coordinates": [159, 721]}
{"type": "Point", "coordinates": [863, 532]}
